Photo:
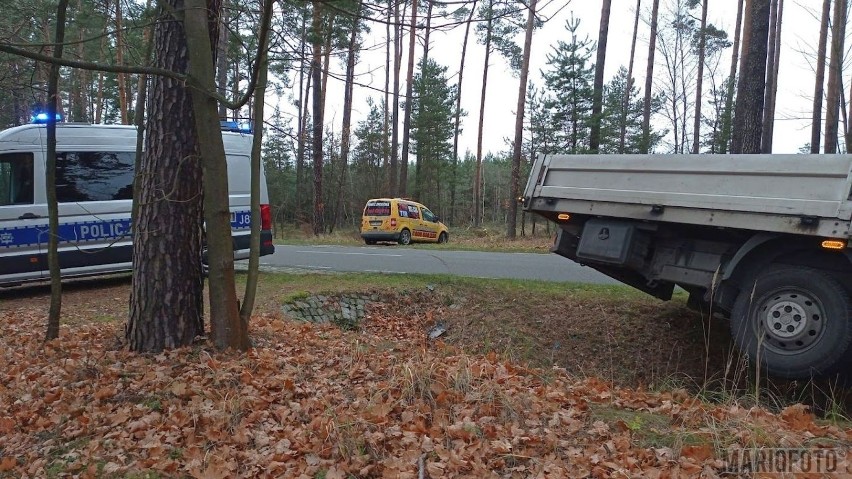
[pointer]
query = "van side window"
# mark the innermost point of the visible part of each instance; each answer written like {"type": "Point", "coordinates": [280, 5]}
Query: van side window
{"type": "Point", "coordinates": [428, 215]}
{"type": "Point", "coordinates": [16, 179]}
{"type": "Point", "coordinates": [94, 176]}
{"type": "Point", "coordinates": [413, 212]}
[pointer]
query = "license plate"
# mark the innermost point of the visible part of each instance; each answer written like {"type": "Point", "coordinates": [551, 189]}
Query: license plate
{"type": "Point", "coordinates": [376, 223]}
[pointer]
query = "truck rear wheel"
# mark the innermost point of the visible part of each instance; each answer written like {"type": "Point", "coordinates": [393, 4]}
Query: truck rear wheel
{"type": "Point", "coordinates": [795, 322]}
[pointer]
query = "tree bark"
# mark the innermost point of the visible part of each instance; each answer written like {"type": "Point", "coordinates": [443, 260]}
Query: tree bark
{"type": "Point", "coordinates": [247, 305]}
{"type": "Point", "coordinates": [222, 61]}
{"type": "Point", "coordinates": [119, 58]}
{"type": "Point", "coordinates": [316, 71]}
{"type": "Point", "coordinates": [727, 120]}
{"type": "Point", "coordinates": [629, 85]}
{"type": "Point", "coordinates": [393, 178]}
{"type": "Point", "coordinates": [409, 88]}
{"type": "Point", "coordinates": [301, 133]}
{"type": "Point", "coordinates": [50, 179]}
{"type": "Point", "coordinates": [748, 119]}
{"type": "Point", "coordinates": [227, 328]}
{"type": "Point", "coordinates": [773, 60]}
{"type": "Point", "coordinates": [649, 79]}
{"type": "Point", "coordinates": [519, 125]}
{"type": "Point", "coordinates": [418, 180]}
{"type": "Point", "coordinates": [477, 185]}
{"type": "Point", "coordinates": [166, 298]}
{"type": "Point", "coordinates": [347, 109]}
{"type": "Point", "coordinates": [696, 127]}
{"type": "Point", "coordinates": [457, 119]}
{"type": "Point", "coordinates": [819, 83]}
{"type": "Point", "coordinates": [597, 92]}
{"type": "Point", "coordinates": [386, 116]}
{"type": "Point", "coordinates": [835, 70]}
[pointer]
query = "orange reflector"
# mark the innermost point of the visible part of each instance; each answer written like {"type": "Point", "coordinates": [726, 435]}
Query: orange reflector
{"type": "Point", "coordinates": [564, 216]}
{"type": "Point", "coordinates": [33, 259]}
{"type": "Point", "coordinates": [833, 244]}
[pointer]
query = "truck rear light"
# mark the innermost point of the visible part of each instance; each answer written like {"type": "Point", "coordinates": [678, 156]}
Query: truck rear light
{"type": "Point", "coordinates": [265, 217]}
{"type": "Point", "coordinates": [833, 244]}
{"type": "Point", "coordinates": [564, 217]}
{"type": "Point", "coordinates": [393, 222]}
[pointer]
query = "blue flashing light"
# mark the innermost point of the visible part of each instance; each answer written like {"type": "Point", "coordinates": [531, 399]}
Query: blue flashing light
{"type": "Point", "coordinates": [236, 127]}
{"type": "Point", "coordinates": [42, 118]}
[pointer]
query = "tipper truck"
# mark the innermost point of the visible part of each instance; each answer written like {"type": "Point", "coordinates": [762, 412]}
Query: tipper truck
{"type": "Point", "coordinates": [762, 240]}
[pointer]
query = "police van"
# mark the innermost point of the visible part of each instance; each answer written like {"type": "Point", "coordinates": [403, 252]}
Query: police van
{"type": "Point", "coordinates": [94, 189]}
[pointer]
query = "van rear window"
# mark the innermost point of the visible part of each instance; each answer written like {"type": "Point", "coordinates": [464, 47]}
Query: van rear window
{"type": "Point", "coordinates": [377, 208]}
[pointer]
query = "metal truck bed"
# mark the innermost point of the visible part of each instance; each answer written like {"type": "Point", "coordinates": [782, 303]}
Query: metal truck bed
{"type": "Point", "coordinates": [802, 194]}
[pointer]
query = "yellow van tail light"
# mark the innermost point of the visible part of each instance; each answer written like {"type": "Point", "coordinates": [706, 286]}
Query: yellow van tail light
{"type": "Point", "coordinates": [833, 244]}
{"type": "Point", "coordinates": [564, 217]}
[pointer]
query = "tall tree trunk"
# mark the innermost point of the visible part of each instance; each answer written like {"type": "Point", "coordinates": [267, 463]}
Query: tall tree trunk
{"type": "Point", "coordinates": [728, 112]}
{"type": "Point", "coordinates": [50, 179]}
{"type": "Point", "coordinates": [316, 71]}
{"type": "Point", "coordinates": [748, 118]}
{"type": "Point", "coordinates": [301, 133]}
{"type": "Point", "coordinates": [393, 177]}
{"type": "Point", "coordinates": [519, 125]}
{"type": "Point", "coordinates": [457, 115]}
{"type": "Point", "coordinates": [477, 180]}
{"type": "Point", "coordinates": [773, 59]}
{"type": "Point", "coordinates": [409, 89]}
{"type": "Point", "coordinates": [257, 142]}
{"type": "Point", "coordinates": [625, 102]}
{"type": "Point", "coordinates": [222, 61]}
{"type": "Point", "coordinates": [119, 58]}
{"type": "Point", "coordinates": [166, 297]}
{"type": "Point", "coordinates": [649, 79]}
{"type": "Point", "coordinates": [835, 70]}
{"type": "Point", "coordinates": [227, 327]}
{"type": "Point", "coordinates": [418, 173]}
{"type": "Point", "coordinates": [347, 110]}
{"type": "Point", "coordinates": [696, 133]}
{"type": "Point", "coordinates": [597, 91]}
{"type": "Point", "coordinates": [386, 116]}
{"type": "Point", "coordinates": [819, 83]}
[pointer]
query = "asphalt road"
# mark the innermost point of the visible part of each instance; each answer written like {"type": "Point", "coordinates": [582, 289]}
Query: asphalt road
{"type": "Point", "coordinates": [401, 259]}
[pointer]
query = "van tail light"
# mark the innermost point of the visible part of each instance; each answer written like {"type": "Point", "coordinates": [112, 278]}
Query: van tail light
{"type": "Point", "coordinates": [393, 222]}
{"type": "Point", "coordinates": [265, 217]}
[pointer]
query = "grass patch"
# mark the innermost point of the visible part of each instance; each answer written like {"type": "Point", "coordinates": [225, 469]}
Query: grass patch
{"type": "Point", "coordinates": [462, 238]}
{"type": "Point", "coordinates": [647, 429]}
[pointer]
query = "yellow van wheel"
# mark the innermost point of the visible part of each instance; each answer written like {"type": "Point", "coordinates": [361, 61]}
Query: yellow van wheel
{"type": "Point", "coordinates": [443, 238]}
{"type": "Point", "coordinates": [404, 237]}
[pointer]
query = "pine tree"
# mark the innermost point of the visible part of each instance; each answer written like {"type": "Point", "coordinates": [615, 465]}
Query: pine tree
{"type": "Point", "coordinates": [433, 108]}
{"type": "Point", "coordinates": [569, 84]}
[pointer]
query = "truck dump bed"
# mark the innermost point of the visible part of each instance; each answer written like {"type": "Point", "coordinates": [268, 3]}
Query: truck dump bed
{"type": "Point", "coordinates": [801, 194]}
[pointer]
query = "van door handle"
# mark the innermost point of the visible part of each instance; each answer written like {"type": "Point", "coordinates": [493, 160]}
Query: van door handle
{"type": "Point", "coordinates": [28, 216]}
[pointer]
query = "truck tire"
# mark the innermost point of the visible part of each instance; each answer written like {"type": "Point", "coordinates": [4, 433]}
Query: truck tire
{"type": "Point", "coordinates": [795, 322]}
{"type": "Point", "coordinates": [404, 237]}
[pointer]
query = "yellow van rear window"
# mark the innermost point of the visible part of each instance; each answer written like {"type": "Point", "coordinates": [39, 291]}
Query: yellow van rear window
{"type": "Point", "coordinates": [377, 208]}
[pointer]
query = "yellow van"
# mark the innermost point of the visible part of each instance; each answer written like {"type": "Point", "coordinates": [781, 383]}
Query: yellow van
{"type": "Point", "coordinates": [402, 221]}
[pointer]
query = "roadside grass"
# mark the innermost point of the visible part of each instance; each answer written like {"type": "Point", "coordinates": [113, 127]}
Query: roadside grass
{"type": "Point", "coordinates": [462, 238]}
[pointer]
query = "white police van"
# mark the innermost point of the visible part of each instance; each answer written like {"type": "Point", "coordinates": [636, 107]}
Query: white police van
{"type": "Point", "coordinates": [94, 188]}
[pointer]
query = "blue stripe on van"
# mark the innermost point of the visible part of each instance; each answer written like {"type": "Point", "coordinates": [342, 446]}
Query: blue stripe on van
{"type": "Point", "coordinates": [86, 231]}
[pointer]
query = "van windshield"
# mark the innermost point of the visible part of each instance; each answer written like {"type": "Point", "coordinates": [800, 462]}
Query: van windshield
{"type": "Point", "coordinates": [377, 208]}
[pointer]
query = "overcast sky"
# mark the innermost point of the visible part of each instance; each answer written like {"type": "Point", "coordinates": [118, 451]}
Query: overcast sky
{"type": "Point", "coordinates": [795, 91]}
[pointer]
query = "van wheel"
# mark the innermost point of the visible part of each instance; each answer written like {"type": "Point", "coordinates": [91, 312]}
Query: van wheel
{"type": "Point", "coordinates": [443, 238]}
{"type": "Point", "coordinates": [404, 237]}
{"type": "Point", "coordinates": [370, 242]}
{"type": "Point", "coordinates": [794, 322]}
